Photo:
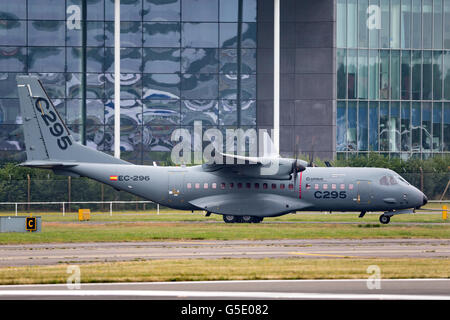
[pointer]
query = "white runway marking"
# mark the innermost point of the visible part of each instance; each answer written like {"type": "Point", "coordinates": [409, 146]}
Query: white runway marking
{"type": "Point", "coordinates": [213, 294]}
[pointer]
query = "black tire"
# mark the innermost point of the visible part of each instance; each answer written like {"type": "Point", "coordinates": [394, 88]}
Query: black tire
{"type": "Point", "coordinates": [384, 219]}
{"type": "Point", "coordinates": [248, 219]}
{"type": "Point", "coordinates": [228, 218]}
{"type": "Point", "coordinates": [257, 219]}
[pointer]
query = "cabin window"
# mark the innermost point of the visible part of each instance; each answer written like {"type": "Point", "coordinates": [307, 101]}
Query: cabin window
{"type": "Point", "coordinates": [325, 186]}
{"type": "Point", "coordinates": [248, 185]}
{"type": "Point", "coordinates": [291, 186]}
{"type": "Point", "coordinates": [197, 186]}
{"type": "Point", "coordinates": [308, 186]}
{"type": "Point", "coordinates": [333, 186]}
{"type": "Point", "coordinates": [316, 186]}
{"type": "Point", "coordinates": [222, 185]}
{"type": "Point", "coordinates": [256, 185]}
{"type": "Point", "coordinates": [264, 185]}
{"type": "Point", "coordinates": [189, 186]}
{"type": "Point", "coordinates": [350, 186]}
{"type": "Point", "coordinates": [205, 185]}
{"type": "Point", "coordinates": [282, 186]}
{"type": "Point", "coordinates": [342, 186]}
{"type": "Point", "coordinates": [274, 186]}
{"type": "Point", "coordinates": [214, 185]}
{"type": "Point", "coordinates": [239, 185]}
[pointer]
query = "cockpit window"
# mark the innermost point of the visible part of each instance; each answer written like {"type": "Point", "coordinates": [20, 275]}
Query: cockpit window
{"type": "Point", "coordinates": [388, 180]}
{"type": "Point", "coordinates": [392, 180]}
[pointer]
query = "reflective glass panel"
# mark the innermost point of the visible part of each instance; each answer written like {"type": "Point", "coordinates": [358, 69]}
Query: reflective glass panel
{"type": "Point", "coordinates": [362, 74]}
{"type": "Point", "coordinates": [352, 27]}
{"type": "Point", "coordinates": [406, 75]}
{"type": "Point", "coordinates": [437, 75]}
{"type": "Point", "coordinates": [394, 127]}
{"type": "Point", "coordinates": [162, 34]}
{"type": "Point", "coordinates": [384, 126]}
{"type": "Point", "coordinates": [384, 74]}
{"type": "Point", "coordinates": [446, 146]}
{"type": "Point", "coordinates": [13, 10]}
{"type": "Point", "coordinates": [416, 24]}
{"type": "Point", "coordinates": [406, 127]}
{"type": "Point", "coordinates": [352, 127]}
{"type": "Point", "coordinates": [373, 74]}
{"type": "Point", "coordinates": [427, 7]}
{"type": "Point", "coordinates": [437, 127]}
{"type": "Point", "coordinates": [46, 59]}
{"type": "Point", "coordinates": [12, 59]}
{"type": "Point", "coordinates": [341, 118]}
{"type": "Point", "coordinates": [363, 126]}
{"type": "Point", "coordinates": [351, 73]}
{"type": "Point", "coordinates": [395, 24]}
{"type": "Point", "coordinates": [200, 35]}
{"type": "Point", "coordinates": [416, 121]}
{"type": "Point", "coordinates": [229, 10]}
{"type": "Point", "coordinates": [161, 60]}
{"type": "Point", "coordinates": [341, 73]}
{"type": "Point", "coordinates": [426, 126]}
{"type": "Point", "coordinates": [373, 126]}
{"type": "Point", "coordinates": [46, 9]}
{"type": "Point", "coordinates": [416, 75]}
{"type": "Point", "coordinates": [13, 33]}
{"type": "Point", "coordinates": [161, 86]}
{"type": "Point", "coordinates": [200, 10]}
{"type": "Point", "coordinates": [162, 10]}
{"type": "Point", "coordinates": [395, 74]}
{"type": "Point", "coordinates": [427, 76]}
{"type": "Point", "coordinates": [406, 24]}
{"type": "Point", "coordinates": [341, 23]}
{"type": "Point", "coordinates": [203, 60]}
{"type": "Point", "coordinates": [199, 86]}
{"type": "Point", "coordinates": [437, 28]}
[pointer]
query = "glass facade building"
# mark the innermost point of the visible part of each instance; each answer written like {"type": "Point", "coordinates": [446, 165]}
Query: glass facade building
{"type": "Point", "coordinates": [393, 77]}
{"type": "Point", "coordinates": [357, 76]}
{"type": "Point", "coordinates": [181, 61]}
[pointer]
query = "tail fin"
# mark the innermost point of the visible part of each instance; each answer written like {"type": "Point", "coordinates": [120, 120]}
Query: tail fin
{"type": "Point", "coordinates": [47, 138]}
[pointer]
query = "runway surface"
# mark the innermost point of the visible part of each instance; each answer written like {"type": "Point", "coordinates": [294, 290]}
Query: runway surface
{"type": "Point", "coordinates": [51, 254]}
{"type": "Point", "coordinates": [406, 289]}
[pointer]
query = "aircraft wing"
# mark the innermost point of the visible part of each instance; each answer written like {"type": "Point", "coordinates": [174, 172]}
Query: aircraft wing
{"type": "Point", "coordinates": [268, 167]}
{"type": "Point", "coordinates": [258, 204]}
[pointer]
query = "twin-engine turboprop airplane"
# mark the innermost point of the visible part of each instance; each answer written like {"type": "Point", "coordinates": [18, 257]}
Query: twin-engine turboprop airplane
{"type": "Point", "coordinates": [239, 192]}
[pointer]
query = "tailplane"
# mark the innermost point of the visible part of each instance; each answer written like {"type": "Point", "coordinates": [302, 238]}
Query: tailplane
{"type": "Point", "coordinates": [48, 141]}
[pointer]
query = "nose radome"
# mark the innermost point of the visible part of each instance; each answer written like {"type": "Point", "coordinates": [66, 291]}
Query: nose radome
{"type": "Point", "coordinates": [425, 200]}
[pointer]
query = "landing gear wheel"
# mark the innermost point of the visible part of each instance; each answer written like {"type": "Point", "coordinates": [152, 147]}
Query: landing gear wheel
{"type": "Point", "coordinates": [248, 219]}
{"type": "Point", "coordinates": [384, 219]}
{"type": "Point", "coordinates": [228, 218]}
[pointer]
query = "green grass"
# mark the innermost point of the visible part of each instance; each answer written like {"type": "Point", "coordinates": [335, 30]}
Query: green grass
{"type": "Point", "coordinates": [229, 269]}
{"type": "Point", "coordinates": [148, 231]}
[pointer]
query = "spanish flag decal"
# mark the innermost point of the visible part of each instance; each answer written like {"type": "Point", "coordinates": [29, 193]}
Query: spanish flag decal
{"type": "Point", "coordinates": [113, 178]}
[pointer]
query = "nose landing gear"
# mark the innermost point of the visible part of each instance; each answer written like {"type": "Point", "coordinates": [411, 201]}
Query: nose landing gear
{"type": "Point", "coordinates": [384, 219]}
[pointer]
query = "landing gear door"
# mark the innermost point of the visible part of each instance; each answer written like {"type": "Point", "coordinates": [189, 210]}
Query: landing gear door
{"type": "Point", "coordinates": [364, 188]}
{"type": "Point", "coordinates": [176, 191]}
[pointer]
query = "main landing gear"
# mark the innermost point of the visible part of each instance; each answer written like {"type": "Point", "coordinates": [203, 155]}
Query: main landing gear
{"type": "Point", "coordinates": [241, 219]}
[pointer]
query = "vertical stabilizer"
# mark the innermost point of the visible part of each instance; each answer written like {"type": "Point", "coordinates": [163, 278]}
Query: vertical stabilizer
{"type": "Point", "coordinates": [46, 135]}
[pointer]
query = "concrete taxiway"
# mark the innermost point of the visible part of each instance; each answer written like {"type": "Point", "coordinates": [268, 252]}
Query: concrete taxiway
{"type": "Point", "coordinates": [51, 254]}
{"type": "Point", "coordinates": [367, 289]}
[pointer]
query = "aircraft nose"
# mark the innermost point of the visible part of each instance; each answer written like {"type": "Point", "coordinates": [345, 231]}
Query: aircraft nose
{"type": "Point", "coordinates": [425, 200]}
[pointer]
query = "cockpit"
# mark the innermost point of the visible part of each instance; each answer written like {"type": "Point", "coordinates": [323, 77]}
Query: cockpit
{"type": "Point", "coordinates": [391, 180]}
